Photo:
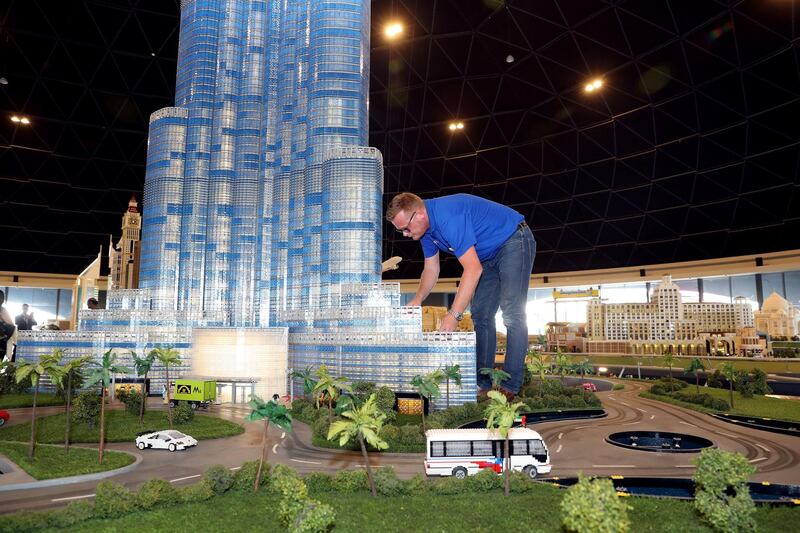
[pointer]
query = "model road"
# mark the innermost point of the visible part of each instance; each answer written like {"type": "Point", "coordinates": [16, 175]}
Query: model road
{"type": "Point", "coordinates": [575, 446]}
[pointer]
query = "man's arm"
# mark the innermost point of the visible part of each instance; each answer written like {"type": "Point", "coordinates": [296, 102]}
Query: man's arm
{"type": "Point", "coordinates": [466, 287]}
{"type": "Point", "coordinates": [430, 275]}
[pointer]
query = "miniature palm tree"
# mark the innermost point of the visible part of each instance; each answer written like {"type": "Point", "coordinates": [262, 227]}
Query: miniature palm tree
{"type": "Point", "coordinates": [308, 380]}
{"type": "Point", "coordinates": [496, 375]}
{"type": "Point", "coordinates": [167, 356]}
{"type": "Point", "coordinates": [729, 371]}
{"type": "Point", "coordinates": [451, 372]}
{"type": "Point", "coordinates": [269, 412]}
{"type": "Point", "coordinates": [102, 374]}
{"type": "Point", "coordinates": [142, 365]}
{"type": "Point", "coordinates": [47, 365]}
{"type": "Point", "coordinates": [330, 387]}
{"type": "Point", "coordinates": [427, 386]}
{"type": "Point", "coordinates": [538, 365]}
{"type": "Point", "coordinates": [561, 363]}
{"type": "Point", "coordinates": [669, 360]}
{"type": "Point", "coordinates": [583, 367]}
{"type": "Point", "coordinates": [70, 369]}
{"type": "Point", "coordinates": [694, 368]}
{"type": "Point", "coordinates": [500, 415]}
{"type": "Point", "coordinates": [364, 424]}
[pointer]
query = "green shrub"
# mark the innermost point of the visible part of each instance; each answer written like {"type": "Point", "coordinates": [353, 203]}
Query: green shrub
{"type": "Point", "coordinates": [720, 405]}
{"type": "Point", "coordinates": [319, 482]}
{"type": "Point", "coordinates": [390, 432]}
{"type": "Point", "coordinates": [183, 414]}
{"type": "Point", "coordinates": [760, 386]}
{"type": "Point", "coordinates": [351, 481]}
{"type": "Point", "coordinates": [26, 521]}
{"type": "Point", "coordinates": [618, 386]}
{"type": "Point", "coordinates": [658, 389]}
{"type": "Point", "coordinates": [74, 513]}
{"type": "Point", "coordinates": [455, 416]}
{"type": "Point", "coordinates": [385, 399]}
{"type": "Point", "coordinates": [199, 492]}
{"type": "Point", "coordinates": [86, 409]}
{"type": "Point", "coordinates": [293, 491]}
{"type": "Point", "coordinates": [485, 480]}
{"type": "Point", "coordinates": [411, 434]}
{"type": "Point", "coordinates": [387, 483]}
{"type": "Point", "coordinates": [721, 495]}
{"type": "Point", "coordinates": [245, 477]}
{"type": "Point", "coordinates": [156, 492]}
{"type": "Point", "coordinates": [449, 486]}
{"type": "Point", "coordinates": [132, 400]}
{"type": "Point", "coordinates": [417, 485]}
{"type": "Point", "coordinates": [320, 427]}
{"type": "Point", "coordinates": [314, 517]}
{"type": "Point", "coordinates": [519, 482]}
{"type": "Point", "coordinates": [715, 379]}
{"type": "Point", "coordinates": [592, 506]}
{"type": "Point", "coordinates": [219, 478]}
{"type": "Point", "coordinates": [112, 500]}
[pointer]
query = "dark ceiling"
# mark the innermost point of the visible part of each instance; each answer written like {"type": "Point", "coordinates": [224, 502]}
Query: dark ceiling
{"type": "Point", "coordinates": [689, 151]}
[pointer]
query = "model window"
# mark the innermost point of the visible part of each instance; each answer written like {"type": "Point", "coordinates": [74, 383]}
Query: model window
{"type": "Point", "coordinates": [458, 448]}
{"type": "Point", "coordinates": [519, 447]}
{"type": "Point", "coordinates": [482, 447]}
{"type": "Point", "coordinates": [537, 447]}
{"type": "Point", "coordinates": [437, 449]}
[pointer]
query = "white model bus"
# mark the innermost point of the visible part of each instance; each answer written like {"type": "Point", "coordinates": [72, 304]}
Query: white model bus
{"type": "Point", "coordinates": [463, 452]}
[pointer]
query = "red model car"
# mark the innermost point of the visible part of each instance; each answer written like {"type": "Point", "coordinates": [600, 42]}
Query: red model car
{"type": "Point", "coordinates": [589, 386]}
{"type": "Point", "coordinates": [4, 416]}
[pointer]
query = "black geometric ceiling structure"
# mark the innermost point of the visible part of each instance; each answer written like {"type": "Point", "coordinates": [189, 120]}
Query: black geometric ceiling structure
{"type": "Point", "coordinates": [691, 149]}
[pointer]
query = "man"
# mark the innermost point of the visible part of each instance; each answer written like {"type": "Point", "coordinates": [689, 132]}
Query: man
{"type": "Point", "coordinates": [8, 332]}
{"type": "Point", "coordinates": [25, 321]}
{"type": "Point", "coordinates": [91, 303]}
{"type": "Point", "coordinates": [496, 250]}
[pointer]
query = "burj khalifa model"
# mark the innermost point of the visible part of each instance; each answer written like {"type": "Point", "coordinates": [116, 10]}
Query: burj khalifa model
{"type": "Point", "coordinates": [262, 203]}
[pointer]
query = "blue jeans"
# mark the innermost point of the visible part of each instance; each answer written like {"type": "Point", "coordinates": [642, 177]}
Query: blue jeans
{"type": "Point", "coordinates": [504, 285]}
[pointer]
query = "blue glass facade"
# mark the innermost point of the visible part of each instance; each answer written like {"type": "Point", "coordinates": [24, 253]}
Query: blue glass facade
{"type": "Point", "coordinates": [262, 204]}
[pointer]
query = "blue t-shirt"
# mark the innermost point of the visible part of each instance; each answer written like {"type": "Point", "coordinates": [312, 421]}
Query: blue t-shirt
{"type": "Point", "coordinates": [463, 220]}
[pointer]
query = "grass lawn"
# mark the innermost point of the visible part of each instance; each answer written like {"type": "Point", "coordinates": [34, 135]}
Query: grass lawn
{"type": "Point", "coordinates": [629, 361]}
{"type": "Point", "coordinates": [120, 427]}
{"type": "Point", "coordinates": [537, 510]}
{"type": "Point", "coordinates": [759, 406]}
{"type": "Point", "coordinates": [50, 462]}
{"type": "Point", "coordinates": [12, 401]}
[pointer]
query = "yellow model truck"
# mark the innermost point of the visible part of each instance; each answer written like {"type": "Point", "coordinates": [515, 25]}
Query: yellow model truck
{"type": "Point", "coordinates": [197, 392]}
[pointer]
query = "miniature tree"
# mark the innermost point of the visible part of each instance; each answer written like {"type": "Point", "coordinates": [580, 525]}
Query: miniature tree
{"type": "Point", "coordinates": [592, 506]}
{"type": "Point", "coordinates": [451, 372]}
{"type": "Point", "coordinates": [364, 424]}
{"type": "Point", "coordinates": [561, 364]}
{"type": "Point", "coordinates": [308, 380]}
{"type": "Point", "coordinates": [329, 387]}
{"type": "Point", "coordinates": [538, 365]}
{"type": "Point", "coordinates": [102, 374]}
{"type": "Point", "coordinates": [269, 412]}
{"type": "Point", "coordinates": [70, 369]}
{"type": "Point", "coordinates": [47, 365]}
{"type": "Point", "coordinates": [167, 356]}
{"type": "Point", "coordinates": [669, 360]}
{"type": "Point", "coordinates": [722, 496]}
{"type": "Point", "coordinates": [694, 369]}
{"type": "Point", "coordinates": [496, 375]}
{"type": "Point", "coordinates": [427, 386]}
{"type": "Point", "coordinates": [142, 365]}
{"type": "Point", "coordinates": [583, 367]}
{"type": "Point", "coordinates": [500, 415]}
{"type": "Point", "coordinates": [730, 373]}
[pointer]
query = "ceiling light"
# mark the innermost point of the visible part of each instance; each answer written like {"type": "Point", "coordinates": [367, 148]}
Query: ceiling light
{"type": "Point", "coordinates": [393, 30]}
{"type": "Point", "coordinates": [25, 120]}
{"type": "Point", "coordinates": [153, 54]}
{"type": "Point", "coordinates": [20, 120]}
{"type": "Point", "coordinates": [3, 81]}
{"type": "Point", "coordinates": [14, 118]}
{"type": "Point", "coordinates": [509, 58]}
{"type": "Point", "coordinates": [454, 126]}
{"type": "Point", "coordinates": [593, 85]}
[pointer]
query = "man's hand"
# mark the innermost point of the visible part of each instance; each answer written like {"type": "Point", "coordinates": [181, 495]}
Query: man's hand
{"type": "Point", "coordinates": [414, 303]}
{"type": "Point", "coordinates": [449, 323]}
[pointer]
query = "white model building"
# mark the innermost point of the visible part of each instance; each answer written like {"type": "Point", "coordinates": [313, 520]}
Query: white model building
{"type": "Point", "coordinates": [777, 318]}
{"type": "Point", "coordinates": [668, 324]}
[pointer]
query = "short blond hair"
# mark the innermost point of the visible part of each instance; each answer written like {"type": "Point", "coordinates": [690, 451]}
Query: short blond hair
{"type": "Point", "coordinates": [405, 201]}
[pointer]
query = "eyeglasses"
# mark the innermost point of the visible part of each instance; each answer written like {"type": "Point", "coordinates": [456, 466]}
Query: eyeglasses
{"type": "Point", "coordinates": [403, 230]}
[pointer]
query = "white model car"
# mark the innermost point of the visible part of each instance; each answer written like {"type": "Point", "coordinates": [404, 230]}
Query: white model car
{"type": "Point", "coordinates": [168, 439]}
